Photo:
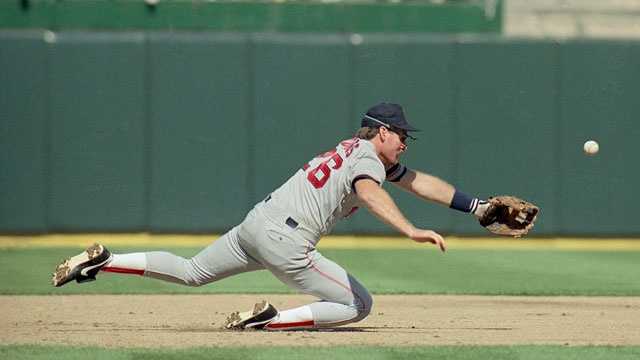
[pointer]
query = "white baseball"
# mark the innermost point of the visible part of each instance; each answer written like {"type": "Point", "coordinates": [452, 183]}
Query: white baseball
{"type": "Point", "coordinates": [591, 147]}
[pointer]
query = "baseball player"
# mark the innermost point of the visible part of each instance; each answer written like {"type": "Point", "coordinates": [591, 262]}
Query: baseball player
{"type": "Point", "coordinates": [281, 232]}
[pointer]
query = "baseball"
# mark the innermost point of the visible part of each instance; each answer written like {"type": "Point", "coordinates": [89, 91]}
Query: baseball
{"type": "Point", "coordinates": [591, 147]}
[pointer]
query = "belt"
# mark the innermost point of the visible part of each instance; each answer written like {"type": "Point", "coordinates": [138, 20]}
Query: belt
{"type": "Point", "coordinates": [290, 221]}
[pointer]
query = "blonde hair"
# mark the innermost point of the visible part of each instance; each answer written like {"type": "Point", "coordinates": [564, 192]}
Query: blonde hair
{"type": "Point", "coordinates": [366, 132]}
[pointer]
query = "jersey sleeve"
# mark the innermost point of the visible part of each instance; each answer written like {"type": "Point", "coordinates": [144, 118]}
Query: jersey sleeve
{"type": "Point", "coordinates": [368, 166]}
{"type": "Point", "coordinates": [396, 172]}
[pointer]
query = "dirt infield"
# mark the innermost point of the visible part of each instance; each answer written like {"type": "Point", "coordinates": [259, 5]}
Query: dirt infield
{"type": "Point", "coordinates": [196, 320]}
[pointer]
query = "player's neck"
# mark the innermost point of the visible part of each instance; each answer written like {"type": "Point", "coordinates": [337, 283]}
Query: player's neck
{"type": "Point", "coordinates": [377, 145]}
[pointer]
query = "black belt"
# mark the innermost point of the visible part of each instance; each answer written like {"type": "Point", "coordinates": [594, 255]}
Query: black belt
{"type": "Point", "coordinates": [290, 221]}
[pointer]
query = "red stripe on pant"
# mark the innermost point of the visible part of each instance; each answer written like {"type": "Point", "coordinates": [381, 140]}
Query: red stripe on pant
{"type": "Point", "coordinates": [284, 326]}
{"type": "Point", "coordinates": [122, 270]}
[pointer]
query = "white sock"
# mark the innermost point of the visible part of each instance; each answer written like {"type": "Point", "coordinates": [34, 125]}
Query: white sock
{"type": "Point", "coordinates": [300, 317]}
{"type": "Point", "coordinates": [133, 261]}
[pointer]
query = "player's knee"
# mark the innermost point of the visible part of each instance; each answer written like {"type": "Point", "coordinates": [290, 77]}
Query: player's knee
{"type": "Point", "coordinates": [363, 305]}
{"type": "Point", "coordinates": [193, 274]}
{"type": "Point", "coordinates": [191, 282]}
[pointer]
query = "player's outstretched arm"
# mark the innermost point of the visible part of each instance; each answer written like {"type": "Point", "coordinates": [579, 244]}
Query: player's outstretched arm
{"type": "Point", "coordinates": [381, 205]}
{"type": "Point", "coordinates": [502, 215]}
{"type": "Point", "coordinates": [427, 187]}
{"type": "Point", "coordinates": [432, 188]}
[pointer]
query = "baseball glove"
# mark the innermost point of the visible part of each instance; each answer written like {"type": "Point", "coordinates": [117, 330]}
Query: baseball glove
{"type": "Point", "coordinates": [508, 215]}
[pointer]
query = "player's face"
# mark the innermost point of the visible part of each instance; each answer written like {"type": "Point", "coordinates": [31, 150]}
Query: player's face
{"type": "Point", "coordinates": [402, 135]}
{"type": "Point", "coordinates": [395, 145]}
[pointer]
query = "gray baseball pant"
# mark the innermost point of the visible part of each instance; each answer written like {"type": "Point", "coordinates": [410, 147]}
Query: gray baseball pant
{"type": "Point", "coordinates": [260, 242]}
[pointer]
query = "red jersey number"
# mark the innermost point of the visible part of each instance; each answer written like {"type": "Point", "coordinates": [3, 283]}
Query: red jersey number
{"type": "Point", "coordinates": [321, 173]}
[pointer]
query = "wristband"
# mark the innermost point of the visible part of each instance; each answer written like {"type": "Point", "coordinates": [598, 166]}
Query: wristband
{"type": "Point", "coordinates": [463, 202]}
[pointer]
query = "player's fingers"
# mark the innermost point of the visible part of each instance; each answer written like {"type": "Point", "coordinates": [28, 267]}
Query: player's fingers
{"type": "Point", "coordinates": [441, 243]}
{"type": "Point", "coordinates": [437, 239]}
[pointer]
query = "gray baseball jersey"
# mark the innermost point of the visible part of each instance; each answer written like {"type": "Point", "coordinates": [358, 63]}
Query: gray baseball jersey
{"type": "Point", "coordinates": [322, 192]}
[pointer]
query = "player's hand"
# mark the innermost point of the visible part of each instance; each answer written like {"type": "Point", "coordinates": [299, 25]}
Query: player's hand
{"type": "Point", "coordinates": [421, 236]}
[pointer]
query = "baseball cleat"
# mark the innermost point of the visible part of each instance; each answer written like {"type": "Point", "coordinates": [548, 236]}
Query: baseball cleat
{"type": "Point", "coordinates": [262, 314]}
{"type": "Point", "coordinates": [82, 267]}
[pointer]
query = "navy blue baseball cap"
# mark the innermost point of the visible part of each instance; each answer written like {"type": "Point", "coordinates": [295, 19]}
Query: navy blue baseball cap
{"type": "Point", "coordinates": [387, 115]}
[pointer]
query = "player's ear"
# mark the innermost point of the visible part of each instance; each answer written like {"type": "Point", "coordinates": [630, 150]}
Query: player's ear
{"type": "Point", "coordinates": [384, 132]}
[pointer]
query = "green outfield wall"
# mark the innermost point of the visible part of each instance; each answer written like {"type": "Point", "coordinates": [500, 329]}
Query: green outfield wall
{"type": "Point", "coordinates": [183, 131]}
{"type": "Point", "coordinates": [449, 16]}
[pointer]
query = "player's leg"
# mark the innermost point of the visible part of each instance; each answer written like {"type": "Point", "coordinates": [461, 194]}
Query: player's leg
{"type": "Point", "coordinates": [217, 261]}
{"type": "Point", "coordinates": [287, 253]}
{"type": "Point", "coordinates": [221, 259]}
{"type": "Point", "coordinates": [343, 299]}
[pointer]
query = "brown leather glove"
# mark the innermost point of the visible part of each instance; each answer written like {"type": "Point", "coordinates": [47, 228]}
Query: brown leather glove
{"type": "Point", "coordinates": [509, 215]}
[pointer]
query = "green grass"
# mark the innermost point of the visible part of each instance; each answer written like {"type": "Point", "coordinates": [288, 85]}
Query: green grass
{"type": "Point", "coordinates": [333, 353]}
{"type": "Point", "coordinates": [500, 272]}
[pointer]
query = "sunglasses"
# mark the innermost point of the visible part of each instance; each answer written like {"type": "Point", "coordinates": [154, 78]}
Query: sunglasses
{"type": "Point", "coordinates": [402, 134]}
